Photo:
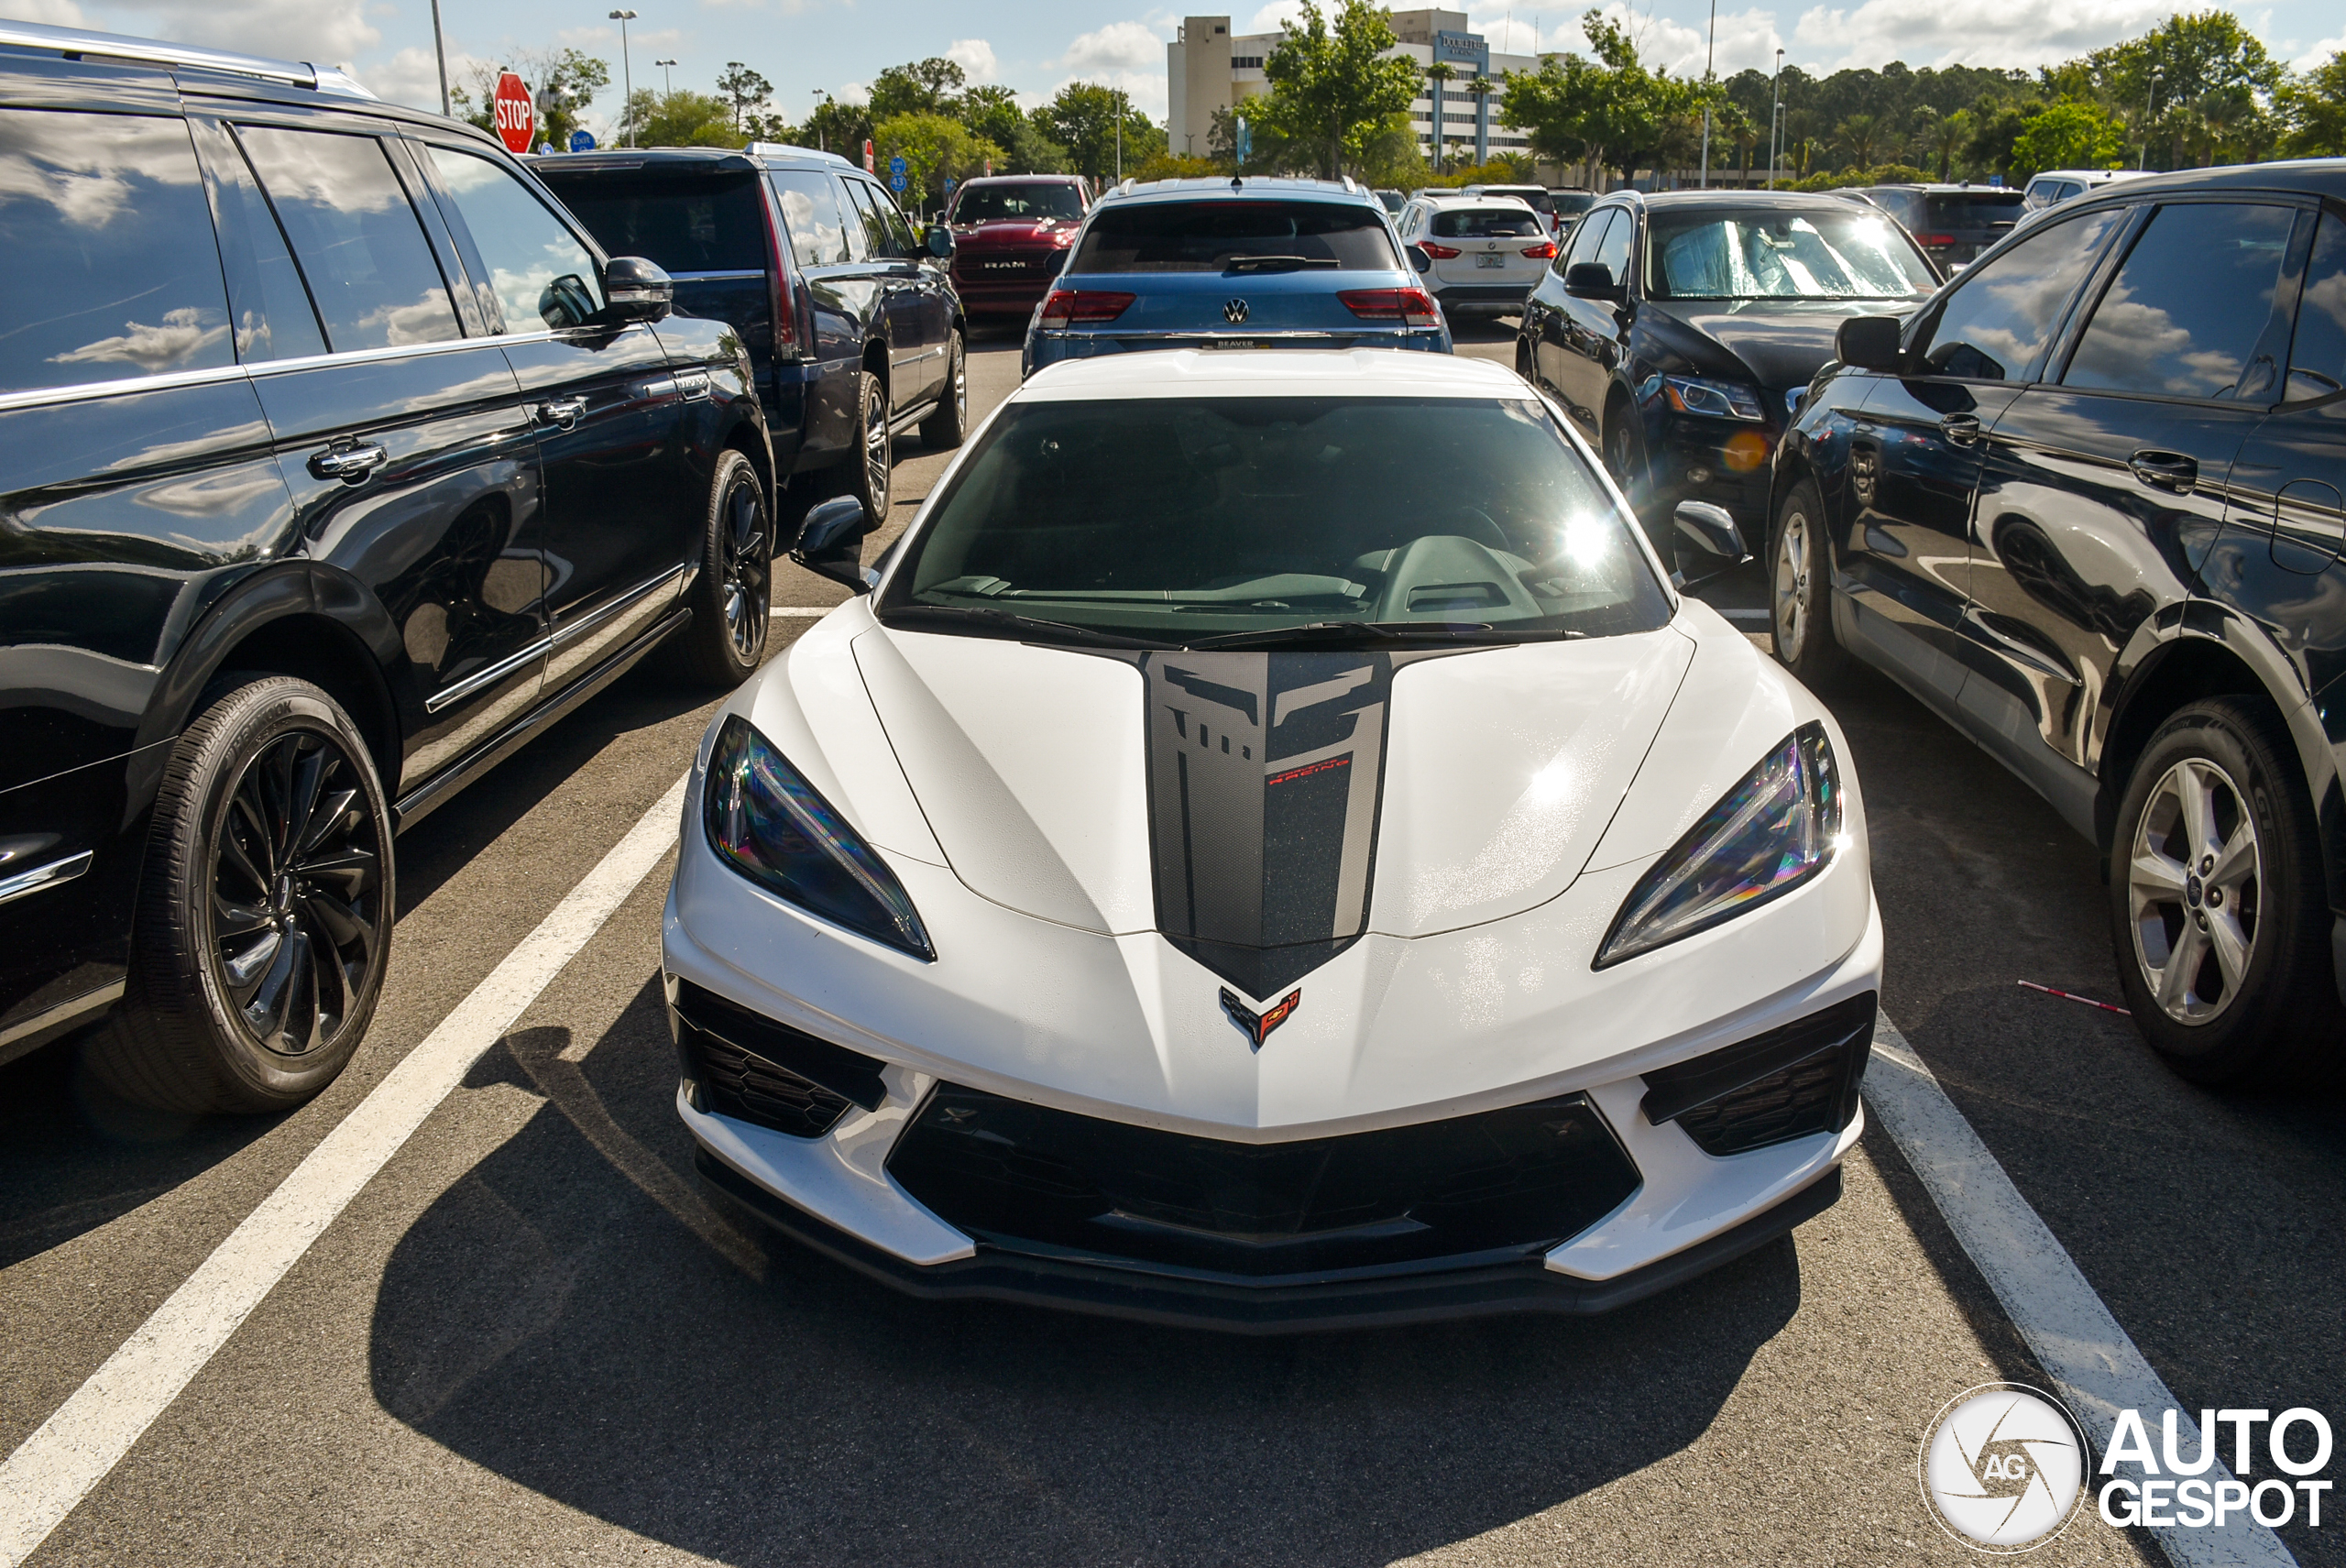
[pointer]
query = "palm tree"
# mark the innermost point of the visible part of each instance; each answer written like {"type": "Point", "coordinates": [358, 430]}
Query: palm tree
{"type": "Point", "coordinates": [1482, 87]}
{"type": "Point", "coordinates": [1439, 72]}
{"type": "Point", "coordinates": [1730, 122]}
{"type": "Point", "coordinates": [1858, 134]}
{"type": "Point", "coordinates": [1943, 137]}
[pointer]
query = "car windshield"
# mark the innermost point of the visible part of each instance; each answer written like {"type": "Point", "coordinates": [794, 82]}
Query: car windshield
{"type": "Point", "coordinates": [681, 225]}
{"type": "Point", "coordinates": [1762, 255]}
{"type": "Point", "coordinates": [986, 204]}
{"type": "Point", "coordinates": [1271, 521]}
{"type": "Point", "coordinates": [1486, 222]}
{"type": "Point", "coordinates": [1211, 235]}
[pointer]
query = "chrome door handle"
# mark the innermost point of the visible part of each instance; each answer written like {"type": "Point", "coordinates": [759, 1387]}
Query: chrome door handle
{"type": "Point", "coordinates": [564, 412]}
{"type": "Point", "coordinates": [1961, 429]}
{"type": "Point", "coordinates": [2165, 471]}
{"type": "Point", "coordinates": [351, 464]}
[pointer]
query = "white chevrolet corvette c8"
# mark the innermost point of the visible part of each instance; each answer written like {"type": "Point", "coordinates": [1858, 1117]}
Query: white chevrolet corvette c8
{"type": "Point", "coordinates": [1271, 849]}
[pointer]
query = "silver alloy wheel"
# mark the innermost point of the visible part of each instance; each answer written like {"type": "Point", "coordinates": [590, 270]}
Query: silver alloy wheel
{"type": "Point", "coordinates": [878, 450]}
{"type": "Point", "coordinates": [961, 381]}
{"type": "Point", "coordinates": [1791, 583]}
{"type": "Point", "coordinates": [2195, 886]}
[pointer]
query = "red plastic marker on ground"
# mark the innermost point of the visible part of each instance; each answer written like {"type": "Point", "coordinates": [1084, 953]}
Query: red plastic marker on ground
{"type": "Point", "coordinates": [2072, 996]}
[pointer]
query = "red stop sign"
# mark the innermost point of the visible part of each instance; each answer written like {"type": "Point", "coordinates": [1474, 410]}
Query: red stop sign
{"type": "Point", "coordinates": [517, 118]}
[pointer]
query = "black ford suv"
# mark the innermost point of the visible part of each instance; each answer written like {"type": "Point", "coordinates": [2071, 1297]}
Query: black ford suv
{"type": "Point", "coordinates": [336, 463]}
{"type": "Point", "coordinates": [854, 331]}
{"type": "Point", "coordinates": [2086, 504]}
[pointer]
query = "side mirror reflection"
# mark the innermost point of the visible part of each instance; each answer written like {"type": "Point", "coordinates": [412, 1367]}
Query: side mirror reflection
{"type": "Point", "coordinates": [830, 542]}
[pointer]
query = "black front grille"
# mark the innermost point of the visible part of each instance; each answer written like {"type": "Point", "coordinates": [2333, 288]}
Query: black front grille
{"type": "Point", "coordinates": [744, 1065]}
{"type": "Point", "coordinates": [1020, 1177]}
{"type": "Point", "coordinates": [1791, 1081]}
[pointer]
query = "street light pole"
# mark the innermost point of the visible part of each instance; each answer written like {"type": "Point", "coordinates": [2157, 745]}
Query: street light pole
{"type": "Point", "coordinates": [627, 78]}
{"type": "Point", "coordinates": [2150, 111]}
{"type": "Point", "coordinates": [1709, 50]}
{"type": "Point", "coordinates": [440, 53]}
{"type": "Point", "coordinates": [668, 83]}
{"type": "Point", "coordinates": [1775, 115]}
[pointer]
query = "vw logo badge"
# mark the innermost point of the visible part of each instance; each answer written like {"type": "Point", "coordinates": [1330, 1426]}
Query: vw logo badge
{"type": "Point", "coordinates": [1234, 313]}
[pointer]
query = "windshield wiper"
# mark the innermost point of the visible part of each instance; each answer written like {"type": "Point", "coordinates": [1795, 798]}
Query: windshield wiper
{"type": "Point", "coordinates": [1352, 631]}
{"type": "Point", "coordinates": [1006, 623]}
{"type": "Point", "coordinates": [1277, 263]}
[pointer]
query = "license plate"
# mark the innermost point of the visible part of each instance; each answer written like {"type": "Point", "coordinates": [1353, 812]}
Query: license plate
{"type": "Point", "coordinates": [1490, 259]}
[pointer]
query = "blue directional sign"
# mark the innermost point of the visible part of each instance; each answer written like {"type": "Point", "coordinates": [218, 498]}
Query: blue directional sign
{"type": "Point", "coordinates": [899, 174]}
{"type": "Point", "coordinates": [582, 141]}
{"type": "Point", "coordinates": [951, 183]}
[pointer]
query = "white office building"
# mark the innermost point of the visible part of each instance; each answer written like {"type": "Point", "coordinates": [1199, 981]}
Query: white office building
{"type": "Point", "coordinates": [1211, 69]}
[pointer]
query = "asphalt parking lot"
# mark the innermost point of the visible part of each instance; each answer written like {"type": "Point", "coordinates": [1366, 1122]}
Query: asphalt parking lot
{"type": "Point", "coordinates": [530, 1338]}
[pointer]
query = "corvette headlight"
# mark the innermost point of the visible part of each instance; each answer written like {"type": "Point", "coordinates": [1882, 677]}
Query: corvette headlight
{"type": "Point", "coordinates": [1717, 400]}
{"type": "Point", "coordinates": [1770, 833]}
{"type": "Point", "coordinates": [768, 823]}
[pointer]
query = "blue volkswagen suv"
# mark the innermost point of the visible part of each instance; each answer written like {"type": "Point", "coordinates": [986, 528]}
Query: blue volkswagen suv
{"type": "Point", "coordinates": [1236, 263]}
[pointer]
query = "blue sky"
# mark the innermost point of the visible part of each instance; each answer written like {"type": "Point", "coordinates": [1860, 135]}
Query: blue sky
{"type": "Point", "coordinates": [807, 46]}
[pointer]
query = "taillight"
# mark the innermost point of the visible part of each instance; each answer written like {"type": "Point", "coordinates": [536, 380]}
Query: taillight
{"type": "Point", "coordinates": [1066, 305]}
{"type": "Point", "coordinates": [1544, 251]}
{"type": "Point", "coordinates": [1411, 306]}
{"type": "Point", "coordinates": [1935, 239]}
{"type": "Point", "coordinates": [778, 297]}
{"type": "Point", "coordinates": [1439, 252]}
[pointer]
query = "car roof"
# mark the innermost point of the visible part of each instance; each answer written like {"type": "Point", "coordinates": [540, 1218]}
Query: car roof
{"type": "Point", "coordinates": [1940, 187]}
{"type": "Point", "coordinates": [746, 160]}
{"type": "Point", "coordinates": [1020, 180]}
{"type": "Point", "coordinates": [1452, 198]}
{"type": "Point", "coordinates": [1188, 372]}
{"type": "Point", "coordinates": [2323, 176]}
{"type": "Point", "coordinates": [1735, 201]}
{"type": "Point", "coordinates": [1237, 188]}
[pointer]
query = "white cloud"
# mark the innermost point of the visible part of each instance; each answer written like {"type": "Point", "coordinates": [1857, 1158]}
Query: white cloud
{"type": "Point", "coordinates": [2320, 53]}
{"type": "Point", "coordinates": [974, 56]}
{"type": "Point", "coordinates": [1746, 40]}
{"type": "Point", "coordinates": [1119, 46]}
{"type": "Point", "coordinates": [411, 77]}
{"type": "Point", "coordinates": [48, 13]}
{"type": "Point", "coordinates": [330, 32]}
{"type": "Point", "coordinates": [2023, 33]}
{"type": "Point", "coordinates": [1275, 17]}
{"type": "Point", "coordinates": [853, 92]}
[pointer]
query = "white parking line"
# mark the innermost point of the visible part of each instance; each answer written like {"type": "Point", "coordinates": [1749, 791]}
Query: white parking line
{"type": "Point", "coordinates": [2079, 1344]}
{"type": "Point", "coordinates": [56, 1467]}
{"type": "Point", "coordinates": [809, 610]}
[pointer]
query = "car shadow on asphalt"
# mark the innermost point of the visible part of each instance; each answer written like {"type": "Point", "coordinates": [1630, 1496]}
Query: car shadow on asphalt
{"type": "Point", "coordinates": [575, 1316]}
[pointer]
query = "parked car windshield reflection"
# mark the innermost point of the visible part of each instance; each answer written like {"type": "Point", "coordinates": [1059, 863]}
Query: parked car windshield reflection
{"type": "Point", "coordinates": [1186, 521]}
{"type": "Point", "coordinates": [1780, 256]}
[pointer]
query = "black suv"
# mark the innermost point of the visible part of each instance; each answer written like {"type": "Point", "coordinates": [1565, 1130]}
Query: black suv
{"type": "Point", "coordinates": [335, 465]}
{"type": "Point", "coordinates": [1953, 223]}
{"type": "Point", "coordinates": [2086, 503]}
{"type": "Point", "coordinates": [853, 327]}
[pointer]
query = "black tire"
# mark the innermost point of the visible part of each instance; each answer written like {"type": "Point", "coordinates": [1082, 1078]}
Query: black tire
{"type": "Point", "coordinates": [2274, 1017]}
{"type": "Point", "coordinates": [1800, 603]}
{"type": "Point", "coordinates": [870, 466]}
{"type": "Point", "coordinates": [732, 595]}
{"type": "Point", "coordinates": [270, 820]}
{"type": "Point", "coordinates": [1625, 459]}
{"type": "Point", "coordinates": [945, 430]}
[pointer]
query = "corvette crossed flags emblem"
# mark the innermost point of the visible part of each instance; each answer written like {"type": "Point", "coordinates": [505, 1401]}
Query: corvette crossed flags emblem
{"type": "Point", "coordinates": [1258, 1026]}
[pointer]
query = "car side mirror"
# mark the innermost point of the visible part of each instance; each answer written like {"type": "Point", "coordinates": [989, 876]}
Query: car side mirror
{"type": "Point", "coordinates": [1592, 280]}
{"type": "Point", "coordinates": [830, 542]}
{"type": "Point", "coordinates": [1711, 529]}
{"type": "Point", "coordinates": [637, 290]}
{"type": "Point", "coordinates": [1868, 343]}
{"type": "Point", "coordinates": [1420, 259]}
{"type": "Point", "coordinates": [940, 242]}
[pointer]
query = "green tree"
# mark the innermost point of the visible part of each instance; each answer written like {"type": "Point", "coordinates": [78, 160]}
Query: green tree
{"type": "Point", "coordinates": [1609, 113]}
{"type": "Point", "coordinates": [2067, 136]}
{"type": "Point", "coordinates": [2314, 110]}
{"type": "Point", "coordinates": [682, 118]}
{"type": "Point", "coordinates": [744, 89]}
{"type": "Point", "coordinates": [1943, 135]}
{"type": "Point", "coordinates": [1271, 152]}
{"type": "Point", "coordinates": [924, 87]}
{"type": "Point", "coordinates": [1441, 73]}
{"type": "Point", "coordinates": [993, 112]}
{"type": "Point", "coordinates": [1332, 86]}
{"type": "Point", "coordinates": [935, 147]}
{"type": "Point", "coordinates": [1732, 126]}
{"type": "Point", "coordinates": [1083, 117]}
{"type": "Point", "coordinates": [1859, 134]}
{"type": "Point", "coordinates": [562, 81]}
{"type": "Point", "coordinates": [836, 127]}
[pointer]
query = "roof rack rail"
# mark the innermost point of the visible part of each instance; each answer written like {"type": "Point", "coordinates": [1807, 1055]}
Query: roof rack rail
{"type": "Point", "coordinates": [1125, 186]}
{"type": "Point", "coordinates": [786, 150]}
{"type": "Point", "coordinates": [115, 46]}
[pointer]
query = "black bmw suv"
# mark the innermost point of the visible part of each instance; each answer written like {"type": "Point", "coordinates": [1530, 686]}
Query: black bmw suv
{"type": "Point", "coordinates": [336, 463]}
{"type": "Point", "coordinates": [854, 330]}
{"type": "Point", "coordinates": [2086, 504]}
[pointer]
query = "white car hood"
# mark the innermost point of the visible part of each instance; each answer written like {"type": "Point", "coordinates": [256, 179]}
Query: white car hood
{"type": "Point", "coordinates": [1284, 806]}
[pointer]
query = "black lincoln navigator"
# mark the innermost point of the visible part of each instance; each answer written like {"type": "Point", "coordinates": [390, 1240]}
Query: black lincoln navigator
{"type": "Point", "coordinates": [336, 461]}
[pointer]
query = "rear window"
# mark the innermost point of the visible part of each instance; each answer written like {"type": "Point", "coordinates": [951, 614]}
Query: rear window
{"type": "Point", "coordinates": [1540, 200]}
{"type": "Point", "coordinates": [683, 225]}
{"type": "Point", "coordinates": [1221, 236]}
{"type": "Point", "coordinates": [985, 204]}
{"type": "Point", "coordinates": [1486, 222]}
{"type": "Point", "coordinates": [1573, 202]}
{"type": "Point", "coordinates": [1985, 210]}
